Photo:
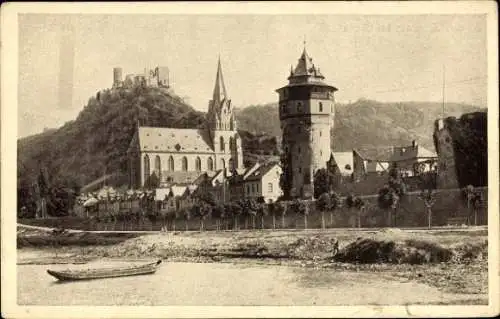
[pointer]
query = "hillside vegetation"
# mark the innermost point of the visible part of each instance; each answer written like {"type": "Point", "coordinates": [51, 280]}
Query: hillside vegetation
{"type": "Point", "coordinates": [364, 123]}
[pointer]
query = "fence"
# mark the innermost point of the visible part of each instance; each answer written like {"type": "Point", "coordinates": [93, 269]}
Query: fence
{"type": "Point", "coordinates": [450, 206]}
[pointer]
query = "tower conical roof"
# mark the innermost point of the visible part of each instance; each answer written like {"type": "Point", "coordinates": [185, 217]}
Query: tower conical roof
{"type": "Point", "coordinates": [306, 68]}
{"type": "Point", "coordinates": [304, 65]}
{"type": "Point", "coordinates": [220, 93]}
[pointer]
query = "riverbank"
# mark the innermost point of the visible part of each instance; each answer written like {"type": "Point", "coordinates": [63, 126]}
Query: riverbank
{"type": "Point", "coordinates": [463, 270]}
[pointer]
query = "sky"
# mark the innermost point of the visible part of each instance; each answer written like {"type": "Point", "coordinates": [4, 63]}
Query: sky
{"type": "Point", "coordinates": [379, 57]}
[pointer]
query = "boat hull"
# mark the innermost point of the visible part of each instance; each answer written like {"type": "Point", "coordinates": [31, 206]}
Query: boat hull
{"type": "Point", "coordinates": [88, 274]}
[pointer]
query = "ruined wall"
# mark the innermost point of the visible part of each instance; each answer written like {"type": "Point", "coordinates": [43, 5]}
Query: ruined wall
{"type": "Point", "coordinates": [462, 147]}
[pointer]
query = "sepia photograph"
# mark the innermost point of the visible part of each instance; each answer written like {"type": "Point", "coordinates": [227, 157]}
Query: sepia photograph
{"type": "Point", "coordinates": [189, 159]}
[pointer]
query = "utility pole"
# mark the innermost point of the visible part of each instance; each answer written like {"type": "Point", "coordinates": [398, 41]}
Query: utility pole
{"type": "Point", "coordinates": [444, 74]}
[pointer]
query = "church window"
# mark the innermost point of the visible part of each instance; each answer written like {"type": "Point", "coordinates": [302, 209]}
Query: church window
{"type": "Point", "coordinates": [158, 166]}
{"type": "Point", "coordinates": [231, 144]}
{"type": "Point", "coordinates": [319, 133]}
{"type": "Point", "coordinates": [298, 149]}
{"type": "Point", "coordinates": [299, 107]}
{"type": "Point", "coordinates": [248, 189]}
{"type": "Point", "coordinates": [184, 163]}
{"type": "Point", "coordinates": [198, 164]}
{"type": "Point", "coordinates": [300, 170]}
{"type": "Point", "coordinates": [222, 163]}
{"type": "Point", "coordinates": [146, 167]}
{"type": "Point", "coordinates": [257, 187]}
{"type": "Point", "coordinates": [269, 187]}
{"type": "Point", "coordinates": [171, 165]}
{"type": "Point", "coordinates": [210, 164]}
{"type": "Point", "coordinates": [320, 107]}
{"type": "Point", "coordinates": [231, 164]}
{"type": "Point", "coordinates": [222, 145]}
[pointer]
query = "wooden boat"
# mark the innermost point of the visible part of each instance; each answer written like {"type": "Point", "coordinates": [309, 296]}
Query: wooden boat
{"type": "Point", "coordinates": [98, 273]}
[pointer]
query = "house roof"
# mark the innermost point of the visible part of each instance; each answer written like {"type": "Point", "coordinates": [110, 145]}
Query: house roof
{"type": "Point", "coordinates": [381, 154]}
{"type": "Point", "coordinates": [177, 177]}
{"type": "Point", "coordinates": [161, 193]}
{"type": "Point", "coordinates": [177, 190]}
{"type": "Point", "coordinates": [411, 152]}
{"type": "Point", "coordinates": [161, 139]}
{"type": "Point", "coordinates": [342, 159]}
{"type": "Point", "coordinates": [261, 171]}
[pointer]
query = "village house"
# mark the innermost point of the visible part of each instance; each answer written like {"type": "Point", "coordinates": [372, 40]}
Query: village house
{"type": "Point", "coordinates": [412, 160]}
{"type": "Point", "coordinates": [263, 182]}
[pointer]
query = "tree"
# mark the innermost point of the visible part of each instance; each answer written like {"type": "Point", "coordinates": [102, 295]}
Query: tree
{"type": "Point", "coordinates": [205, 202]}
{"type": "Point", "coordinates": [300, 207]}
{"type": "Point", "coordinates": [271, 209]}
{"type": "Point", "coordinates": [286, 175]}
{"type": "Point", "coordinates": [324, 182]}
{"type": "Point", "coordinates": [227, 214]}
{"type": "Point", "coordinates": [334, 204]}
{"type": "Point", "coordinates": [152, 182]}
{"type": "Point", "coordinates": [390, 195]}
{"type": "Point", "coordinates": [280, 208]}
{"type": "Point", "coordinates": [323, 204]}
{"type": "Point", "coordinates": [186, 212]}
{"type": "Point", "coordinates": [235, 211]}
{"type": "Point", "coordinates": [206, 210]}
{"type": "Point", "coordinates": [429, 199]}
{"type": "Point", "coordinates": [473, 198]}
{"type": "Point", "coordinates": [359, 205]}
{"type": "Point", "coordinates": [262, 210]}
{"type": "Point", "coordinates": [218, 212]}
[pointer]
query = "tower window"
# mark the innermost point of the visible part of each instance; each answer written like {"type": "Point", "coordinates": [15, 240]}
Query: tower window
{"type": "Point", "coordinates": [283, 108]}
{"type": "Point", "coordinates": [320, 107]}
{"type": "Point", "coordinates": [299, 107]}
{"type": "Point", "coordinates": [222, 145]}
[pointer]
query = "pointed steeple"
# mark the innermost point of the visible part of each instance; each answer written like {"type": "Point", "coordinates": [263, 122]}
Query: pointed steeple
{"type": "Point", "coordinates": [220, 93]}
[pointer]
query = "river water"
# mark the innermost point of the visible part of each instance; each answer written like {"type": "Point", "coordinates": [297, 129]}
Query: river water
{"type": "Point", "coordinates": [218, 284]}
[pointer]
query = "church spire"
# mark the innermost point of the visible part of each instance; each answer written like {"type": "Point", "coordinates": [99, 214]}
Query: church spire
{"type": "Point", "coordinates": [219, 88]}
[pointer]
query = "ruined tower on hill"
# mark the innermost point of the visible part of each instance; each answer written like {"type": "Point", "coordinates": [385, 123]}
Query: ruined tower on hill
{"type": "Point", "coordinates": [306, 111]}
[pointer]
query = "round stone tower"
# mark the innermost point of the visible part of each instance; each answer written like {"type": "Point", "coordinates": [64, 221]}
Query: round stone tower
{"type": "Point", "coordinates": [306, 110]}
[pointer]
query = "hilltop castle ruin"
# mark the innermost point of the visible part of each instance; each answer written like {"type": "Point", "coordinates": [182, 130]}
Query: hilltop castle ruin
{"type": "Point", "coordinates": [157, 77]}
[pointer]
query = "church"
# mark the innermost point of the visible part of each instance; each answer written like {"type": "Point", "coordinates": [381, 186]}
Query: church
{"type": "Point", "coordinates": [182, 155]}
